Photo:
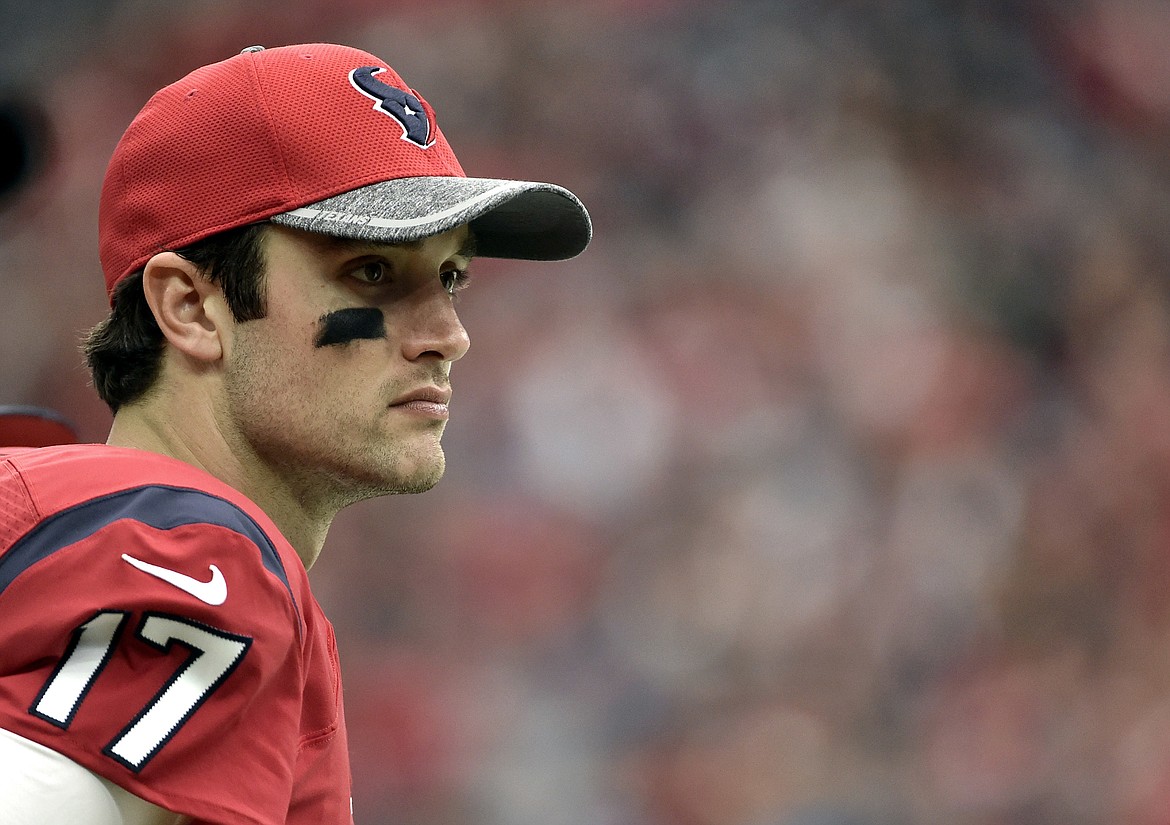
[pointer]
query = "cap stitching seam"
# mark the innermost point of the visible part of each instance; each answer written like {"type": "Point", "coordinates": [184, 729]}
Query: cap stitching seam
{"type": "Point", "coordinates": [269, 119]}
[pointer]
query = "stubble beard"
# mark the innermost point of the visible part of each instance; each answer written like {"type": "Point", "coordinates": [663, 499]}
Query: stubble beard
{"type": "Point", "coordinates": [325, 470]}
{"type": "Point", "coordinates": [338, 471]}
{"type": "Point", "coordinates": [327, 480]}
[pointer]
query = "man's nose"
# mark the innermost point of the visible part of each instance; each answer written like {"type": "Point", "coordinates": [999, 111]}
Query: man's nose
{"type": "Point", "coordinates": [435, 331]}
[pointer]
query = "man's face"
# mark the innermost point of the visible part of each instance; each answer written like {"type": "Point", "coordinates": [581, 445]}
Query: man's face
{"type": "Point", "coordinates": [341, 389]}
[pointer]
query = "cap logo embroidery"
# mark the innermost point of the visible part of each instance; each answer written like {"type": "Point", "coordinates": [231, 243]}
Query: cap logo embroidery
{"type": "Point", "coordinates": [398, 104]}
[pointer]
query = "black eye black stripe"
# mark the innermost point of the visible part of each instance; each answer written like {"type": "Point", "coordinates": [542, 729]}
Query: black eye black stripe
{"type": "Point", "coordinates": [345, 325]}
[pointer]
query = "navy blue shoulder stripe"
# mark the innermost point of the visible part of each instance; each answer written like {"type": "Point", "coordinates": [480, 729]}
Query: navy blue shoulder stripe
{"type": "Point", "coordinates": [158, 506]}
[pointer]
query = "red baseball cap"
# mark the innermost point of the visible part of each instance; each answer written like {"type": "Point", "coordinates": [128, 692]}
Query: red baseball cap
{"type": "Point", "coordinates": [319, 137]}
{"type": "Point", "coordinates": [23, 426]}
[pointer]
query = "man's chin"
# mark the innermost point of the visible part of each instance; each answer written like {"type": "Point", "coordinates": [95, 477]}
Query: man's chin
{"type": "Point", "coordinates": [417, 485]}
{"type": "Point", "coordinates": [415, 475]}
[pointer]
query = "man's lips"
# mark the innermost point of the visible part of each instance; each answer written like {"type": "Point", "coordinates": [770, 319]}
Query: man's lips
{"type": "Point", "coordinates": [429, 401]}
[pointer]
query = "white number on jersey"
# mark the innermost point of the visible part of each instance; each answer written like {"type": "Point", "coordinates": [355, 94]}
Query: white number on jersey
{"type": "Point", "coordinates": [214, 654]}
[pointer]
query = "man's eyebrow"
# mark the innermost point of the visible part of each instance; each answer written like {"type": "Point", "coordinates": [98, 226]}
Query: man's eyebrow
{"type": "Point", "coordinates": [467, 250]}
{"type": "Point", "coordinates": [469, 246]}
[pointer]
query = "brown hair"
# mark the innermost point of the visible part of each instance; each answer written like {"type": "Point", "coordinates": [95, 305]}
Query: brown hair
{"type": "Point", "coordinates": [124, 352]}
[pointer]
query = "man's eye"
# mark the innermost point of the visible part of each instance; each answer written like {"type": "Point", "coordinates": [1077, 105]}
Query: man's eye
{"type": "Point", "coordinates": [373, 272]}
{"type": "Point", "coordinates": [454, 280]}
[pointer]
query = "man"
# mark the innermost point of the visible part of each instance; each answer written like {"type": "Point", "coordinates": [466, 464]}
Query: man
{"type": "Point", "coordinates": [282, 234]}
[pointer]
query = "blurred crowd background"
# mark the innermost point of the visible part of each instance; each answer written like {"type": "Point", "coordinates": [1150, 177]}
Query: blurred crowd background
{"type": "Point", "coordinates": [829, 487]}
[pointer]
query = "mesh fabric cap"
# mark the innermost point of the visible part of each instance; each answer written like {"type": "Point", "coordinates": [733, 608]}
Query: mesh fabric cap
{"type": "Point", "coordinates": [319, 137]}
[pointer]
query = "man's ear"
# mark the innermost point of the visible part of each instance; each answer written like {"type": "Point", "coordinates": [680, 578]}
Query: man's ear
{"type": "Point", "coordinates": [189, 309]}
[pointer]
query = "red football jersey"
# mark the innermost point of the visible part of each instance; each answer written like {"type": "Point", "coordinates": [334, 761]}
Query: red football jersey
{"type": "Point", "coordinates": [156, 628]}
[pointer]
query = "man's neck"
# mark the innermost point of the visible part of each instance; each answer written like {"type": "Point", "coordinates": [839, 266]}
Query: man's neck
{"type": "Point", "coordinates": [140, 426]}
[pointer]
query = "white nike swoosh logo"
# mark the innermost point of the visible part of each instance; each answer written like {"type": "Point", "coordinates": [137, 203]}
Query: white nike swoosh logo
{"type": "Point", "coordinates": [212, 592]}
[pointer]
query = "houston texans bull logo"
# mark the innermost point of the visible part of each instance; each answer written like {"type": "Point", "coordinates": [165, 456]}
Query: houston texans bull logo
{"type": "Point", "coordinates": [402, 106]}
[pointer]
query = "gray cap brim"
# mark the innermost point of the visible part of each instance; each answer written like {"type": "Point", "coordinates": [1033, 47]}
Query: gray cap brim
{"type": "Point", "coordinates": [509, 218]}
